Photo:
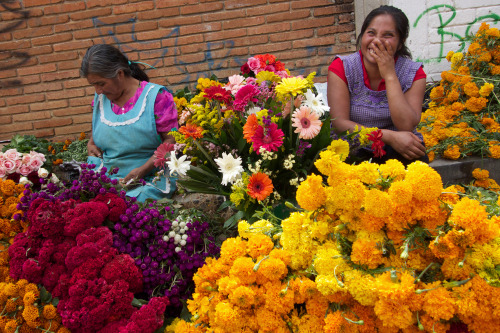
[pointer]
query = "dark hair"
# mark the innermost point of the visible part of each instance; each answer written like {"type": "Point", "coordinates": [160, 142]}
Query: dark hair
{"type": "Point", "coordinates": [106, 61]}
{"type": "Point", "coordinates": [401, 22]}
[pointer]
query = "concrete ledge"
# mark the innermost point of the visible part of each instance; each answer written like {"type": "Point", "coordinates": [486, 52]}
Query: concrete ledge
{"type": "Point", "coordinates": [460, 171]}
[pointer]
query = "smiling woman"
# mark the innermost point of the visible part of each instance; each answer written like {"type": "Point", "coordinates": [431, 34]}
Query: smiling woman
{"type": "Point", "coordinates": [131, 118]}
{"type": "Point", "coordinates": [380, 86]}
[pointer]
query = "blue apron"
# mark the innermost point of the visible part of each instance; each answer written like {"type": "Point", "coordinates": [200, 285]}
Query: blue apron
{"type": "Point", "coordinates": [128, 141]}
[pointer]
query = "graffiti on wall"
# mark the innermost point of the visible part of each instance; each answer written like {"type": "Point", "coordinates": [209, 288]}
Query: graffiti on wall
{"type": "Point", "coordinates": [443, 11]}
{"type": "Point", "coordinates": [15, 58]}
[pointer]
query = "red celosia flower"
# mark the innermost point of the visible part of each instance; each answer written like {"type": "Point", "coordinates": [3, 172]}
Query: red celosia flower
{"type": "Point", "coordinates": [260, 186]}
{"type": "Point", "coordinates": [377, 145]}
{"type": "Point", "coordinates": [219, 94]}
{"type": "Point", "coordinates": [270, 138]}
{"type": "Point", "coordinates": [191, 130]}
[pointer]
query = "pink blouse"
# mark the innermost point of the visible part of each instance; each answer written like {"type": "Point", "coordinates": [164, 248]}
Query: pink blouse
{"type": "Point", "coordinates": [165, 109]}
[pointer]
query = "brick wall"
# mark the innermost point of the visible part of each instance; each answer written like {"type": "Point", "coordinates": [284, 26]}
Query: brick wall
{"type": "Point", "coordinates": [42, 43]}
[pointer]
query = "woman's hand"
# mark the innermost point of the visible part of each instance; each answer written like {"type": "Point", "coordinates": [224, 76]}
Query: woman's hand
{"type": "Point", "coordinates": [384, 56]}
{"type": "Point", "coordinates": [134, 174]}
{"type": "Point", "coordinates": [406, 143]}
{"type": "Point", "coordinates": [92, 149]}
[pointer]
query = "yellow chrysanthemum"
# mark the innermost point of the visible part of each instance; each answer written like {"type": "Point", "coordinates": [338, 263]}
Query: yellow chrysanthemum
{"type": "Point", "coordinates": [292, 85]}
{"type": "Point", "coordinates": [486, 89]}
{"type": "Point", "coordinates": [340, 147]}
{"type": "Point", "coordinates": [377, 203]}
{"type": "Point", "coordinates": [311, 194]}
{"type": "Point", "coordinates": [425, 181]}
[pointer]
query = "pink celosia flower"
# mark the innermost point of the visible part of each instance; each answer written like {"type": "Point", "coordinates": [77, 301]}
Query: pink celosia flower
{"type": "Point", "coordinates": [307, 123]}
{"type": "Point", "coordinates": [270, 138]}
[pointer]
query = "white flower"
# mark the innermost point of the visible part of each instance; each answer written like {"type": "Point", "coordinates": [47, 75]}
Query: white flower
{"type": "Point", "coordinates": [315, 103]}
{"type": "Point", "coordinates": [43, 173]}
{"type": "Point", "coordinates": [253, 109]}
{"type": "Point", "coordinates": [179, 166]}
{"type": "Point", "coordinates": [54, 179]}
{"type": "Point", "coordinates": [230, 168]}
{"type": "Point", "coordinates": [24, 180]}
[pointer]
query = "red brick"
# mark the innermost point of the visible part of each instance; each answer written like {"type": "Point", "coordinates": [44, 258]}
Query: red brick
{"type": "Point", "coordinates": [346, 37]}
{"type": "Point", "coordinates": [136, 26]}
{"type": "Point", "coordinates": [12, 91]}
{"type": "Point", "coordinates": [268, 9]}
{"type": "Point", "coordinates": [44, 49]}
{"type": "Point", "coordinates": [333, 29]}
{"type": "Point", "coordinates": [45, 133]}
{"type": "Point", "coordinates": [175, 3]}
{"type": "Point", "coordinates": [330, 10]}
{"type": "Point", "coordinates": [36, 88]}
{"type": "Point", "coordinates": [179, 21]}
{"type": "Point", "coordinates": [157, 13]}
{"type": "Point", "coordinates": [4, 120]}
{"type": "Point", "coordinates": [345, 18]}
{"type": "Point", "coordinates": [270, 48]}
{"type": "Point", "coordinates": [154, 34]}
{"type": "Point", "coordinates": [225, 34]}
{"type": "Point", "coordinates": [15, 128]}
{"type": "Point", "coordinates": [54, 122]}
{"type": "Point", "coordinates": [133, 8]}
{"type": "Point", "coordinates": [30, 79]}
{"type": "Point", "coordinates": [42, 68]}
{"type": "Point", "coordinates": [80, 101]}
{"type": "Point", "coordinates": [35, 3]}
{"type": "Point", "coordinates": [104, 3]}
{"type": "Point", "coordinates": [252, 40]}
{"type": "Point", "coordinates": [235, 24]}
{"type": "Point", "coordinates": [189, 58]}
{"type": "Point", "coordinates": [14, 45]}
{"type": "Point", "coordinates": [75, 129]}
{"type": "Point", "coordinates": [310, 3]}
{"type": "Point", "coordinates": [53, 39]}
{"type": "Point", "coordinates": [74, 26]}
{"type": "Point", "coordinates": [8, 73]}
{"type": "Point", "coordinates": [84, 118]}
{"type": "Point", "coordinates": [295, 15]}
{"type": "Point", "coordinates": [313, 23]}
{"type": "Point", "coordinates": [64, 8]}
{"type": "Point", "coordinates": [291, 35]}
{"type": "Point", "coordinates": [76, 83]}
{"type": "Point", "coordinates": [200, 28]}
{"type": "Point", "coordinates": [33, 32]}
{"type": "Point", "coordinates": [201, 8]}
{"type": "Point", "coordinates": [17, 62]}
{"type": "Point", "coordinates": [69, 55]}
{"type": "Point", "coordinates": [90, 13]}
{"type": "Point", "coordinates": [74, 110]}
{"type": "Point", "coordinates": [5, 36]}
{"type": "Point", "coordinates": [224, 15]}
{"type": "Point", "coordinates": [231, 4]}
{"type": "Point", "coordinates": [65, 94]}
{"type": "Point", "coordinates": [10, 110]}
{"type": "Point", "coordinates": [48, 20]}
{"type": "Point", "coordinates": [60, 75]}
{"type": "Point", "coordinates": [74, 45]}
{"type": "Point", "coordinates": [318, 41]}
{"type": "Point", "coordinates": [269, 28]}
{"type": "Point", "coordinates": [31, 116]}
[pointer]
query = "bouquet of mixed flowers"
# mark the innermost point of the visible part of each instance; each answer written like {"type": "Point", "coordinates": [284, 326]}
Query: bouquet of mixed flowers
{"type": "Point", "coordinates": [462, 118]}
{"type": "Point", "coordinates": [252, 138]}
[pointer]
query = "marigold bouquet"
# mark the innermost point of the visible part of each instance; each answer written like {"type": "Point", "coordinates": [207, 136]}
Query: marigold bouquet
{"type": "Point", "coordinates": [254, 137]}
{"type": "Point", "coordinates": [462, 118]}
{"type": "Point", "coordinates": [379, 248]}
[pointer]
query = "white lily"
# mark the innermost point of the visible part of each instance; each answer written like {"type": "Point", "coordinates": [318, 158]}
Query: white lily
{"type": "Point", "coordinates": [179, 166]}
{"type": "Point", "coordinates": [315, 103]}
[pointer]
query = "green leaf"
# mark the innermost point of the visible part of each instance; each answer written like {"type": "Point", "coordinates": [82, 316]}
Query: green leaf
{"type": "Point", "coordinates": [45, 296]}
{"type": "Point", "coordinates": [231, 222]}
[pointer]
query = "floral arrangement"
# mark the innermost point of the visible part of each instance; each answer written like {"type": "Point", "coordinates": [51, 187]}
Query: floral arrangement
{"type": "Point", "coordinates": [462, 118]}
{"type": "Point", "coordinates": [372, 248]}
{"type": "Point", "coordinates": [253, 138]}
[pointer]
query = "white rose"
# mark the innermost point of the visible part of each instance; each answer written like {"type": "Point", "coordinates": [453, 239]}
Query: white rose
{"type": "Point", "coordinates": [54, 179]}
{"type": "Point", "coordinates": [43, 173]}
{"type": "Point", "coordinates": [24, 180]}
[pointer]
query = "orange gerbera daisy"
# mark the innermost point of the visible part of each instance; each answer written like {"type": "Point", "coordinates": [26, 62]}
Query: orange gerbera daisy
{"type": "Point", "coordinates": [250, 127]}
{"type": "Point", "coordinates": [191, 130]}
{"type": "Point", "coordinates": [260, 186]}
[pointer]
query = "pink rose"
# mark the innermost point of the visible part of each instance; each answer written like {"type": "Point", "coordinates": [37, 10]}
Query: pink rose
{"type": "Point", "coordinates": [12, 154]}
{"type": "Point", "coordinates": [18, 163]}
{"type": "Point", "coordinates": [10, 166]}
{"type": "Point", "coordinates": [35, 163]}
{"type": "Point", "coordinates": [40, 156]}
{"type": "Point", "coordinates": [26, 159]}
{"type": "Point", "coordinates": [24, 170]}
{"type": "Point", "coordinates": [3, 171]}
{"type": "Point", "coordinates": [253, 63]}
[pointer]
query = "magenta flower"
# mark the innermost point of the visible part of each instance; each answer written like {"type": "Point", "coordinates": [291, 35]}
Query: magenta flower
{"type": "Point", "coordinates": [270, 138]}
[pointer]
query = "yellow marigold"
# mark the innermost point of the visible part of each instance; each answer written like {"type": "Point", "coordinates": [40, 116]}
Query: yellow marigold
{"type": "Point", "coordinates": [366, 252]}
{"type": "Point", "coordinates": [279, 297]}
{"type": "Point", "coordinates": [328, 258]}
{"type": "Point", "coordinates": [296, 240]}
{"type": "Point", "coordinates": [271, 269]}
{"type": "Point", "coordinates": [480, 174]}
{"type": "Point", "coordinates": [328, 162]}
{"type": "Point", "coordinates": [242, 296]}
{"type": "Point", "coordinates": [340, 147]}
{"type": "Point", "coordinates": [456, 60]}
{"type": "Point", "coordinates": [367, 172]}
{"type": "Point", "coordinates": [450, 194]}
{"type": "Point", "coordinates": [377, 203]}
{"type": "Point", "coordinates": [485, 56]}
{"type": "Point", "coordinates": [474, 48]}
{"type": "Point", "coordinates": [393, 169]}
{"type": "Point", "coordinates": [7, 187]}
{"type": "Point", "coordinates": [29, 298]}
{"type": "Point", "coordinates": [32, 316]}
{"type": "Point", "coordinates": [470, 215]}
{"type": "Point", "coordinates": [453, 95]}
{"type": "Point", "coordinates": [449, 55]}
{"type": "Point", "coordinates": [494, 69]}
{"type": "Point", "coordinates": [476, 104]}
{"type": "Point", "coordinates": [49, 311]}
{"type": "Point", "coordinates": [259, 245]}
{"type": "Point", "coordinates": [486, 89]}
{"type": "Point", "coordinates": [393, 314]}
{"type": "Point", "coordinates": [424, 180]}
{"type": "Point", "coordinates": [400, 192]}
{"type": "Point", "coordinates": [227, 317]}
{"type": "Point", "coordinates": [457, 106]}
{"type": "Point", "coordinates": [494, 149]}
{"type": "Point", "coordinates": [63, 329]}
{"type": "Point", "coordinates": [243, 269]}
{"type": "Point", "coordinates": [493, 32]}
{"type": "Point", "coordinates": [361, 286]}
{"type": "Point", "coordinates": [437, 92]}
{"type": "Point", "coordinates": [233, 248]}
{"type": "Point", "coordinates": [11, 290]}
{"type": "Point", "coordinates": [329, 285]}
{"type": "Point", "coordinates": [444, 248]}
{"type": "Point", "coordinates": [471, 89]}
{"type": "Point", "coordinates": [11, 326]}
{"type": "Point", "coordinates": [452, 152]}
{"type": "Point", "coordinates": [311, 194]}
{"type": "Point", "coordinates": [268, 320]}
{"type": "Point", "coordinates": [348, 196]}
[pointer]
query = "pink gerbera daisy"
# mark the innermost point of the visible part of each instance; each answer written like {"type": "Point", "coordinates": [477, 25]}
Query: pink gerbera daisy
{"type": "Point", "coordinates": [245, 94]}
{"type": "Point", "coordinates": [307, 123]}
{"type": "Point", "coordinates": [162, 153]}
{"type": "Point", "coordinates": [270, 138]}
